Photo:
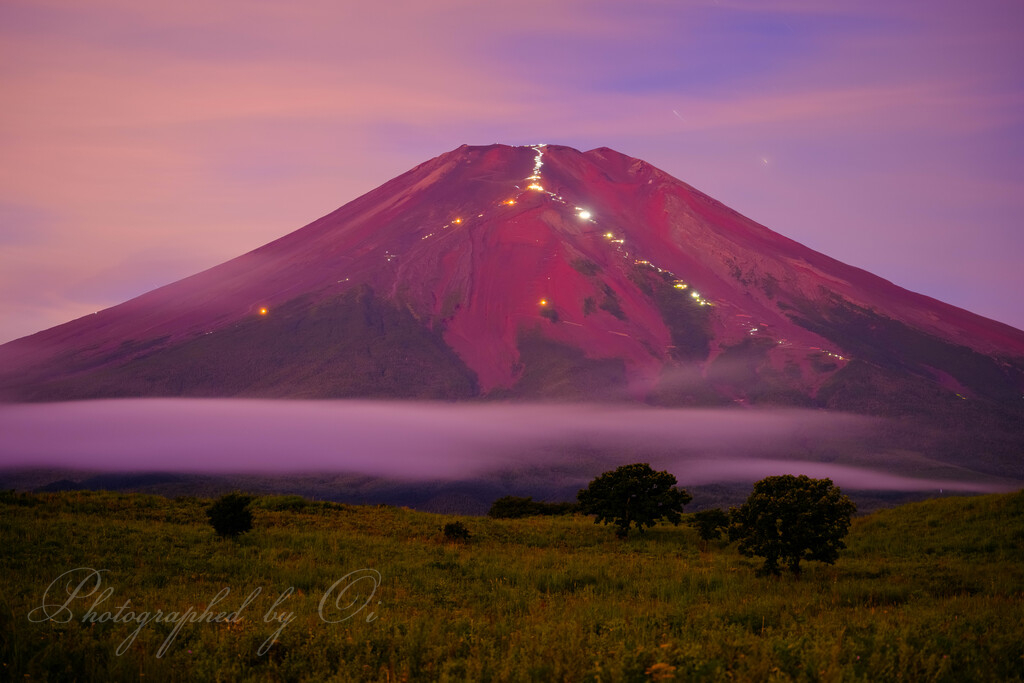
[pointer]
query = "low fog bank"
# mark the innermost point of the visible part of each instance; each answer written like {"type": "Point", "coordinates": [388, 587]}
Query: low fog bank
{"type": "Point", "coordinates": [514, 447]}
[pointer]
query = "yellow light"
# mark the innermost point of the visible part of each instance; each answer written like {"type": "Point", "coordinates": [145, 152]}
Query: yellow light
{"type": "Point", "coordinates": [510, 202]}
{"type": "Point", "coordinates": [457, 221]}
{"type": "Point", "coordinates": [535, 186]}
{"type": "Point", "coordinates": [695, 295]}
{"type": "Point", "coordinates": [608, 235]}
{"type": "Point", "coordinates": [263, 311]}
{"type": "Point", "coordinates": [543, 302]}
{"type": "Point", "coordinates": [680, 285]}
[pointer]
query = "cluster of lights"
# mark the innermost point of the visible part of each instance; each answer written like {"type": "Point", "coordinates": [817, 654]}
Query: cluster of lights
{"type": "Point", "coordinates": [644, 262]}
{"type": "Point", "coordinates": [535, 185]}
{"type": "Point", "coordinates": [585, 214]}
{"type": "Point", "coordinates": [699, 299]}
{"type": "Point", "coordinates": [454, 221]}
{"type": "Point", "coordinates": [538, 161]}
{"type": "Point", "coordinates": [676, 283]}
{"type": "Point", "coordinates": [828, 353]}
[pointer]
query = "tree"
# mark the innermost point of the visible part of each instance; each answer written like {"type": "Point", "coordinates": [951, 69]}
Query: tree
{"type": "Point", "coordinates": [710, 524]}
{"type": "Point", "coordinates": [633, 494]}
{"type": "Point", "coordinates": [787, 519]}
{"type": "Point", "coordinates": [230, 515]}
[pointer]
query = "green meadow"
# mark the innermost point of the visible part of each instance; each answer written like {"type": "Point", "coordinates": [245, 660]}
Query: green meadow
{"type": "Point", "coordinates": [929, 591]}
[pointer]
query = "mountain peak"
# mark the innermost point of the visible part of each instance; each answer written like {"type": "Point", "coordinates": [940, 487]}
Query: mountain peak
{"type": "Point", "coordinates": [530, 270]}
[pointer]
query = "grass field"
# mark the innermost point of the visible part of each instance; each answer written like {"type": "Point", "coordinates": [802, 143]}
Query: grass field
{"type": "Point", "coordinates": [930, 591]}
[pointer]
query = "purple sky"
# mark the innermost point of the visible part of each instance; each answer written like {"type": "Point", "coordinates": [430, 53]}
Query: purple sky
{"type": "Point", "coordinates": [143, 142]}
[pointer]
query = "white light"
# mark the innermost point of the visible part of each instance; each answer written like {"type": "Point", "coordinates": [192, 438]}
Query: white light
{"type": "Point", "coordinates": [584, 214]}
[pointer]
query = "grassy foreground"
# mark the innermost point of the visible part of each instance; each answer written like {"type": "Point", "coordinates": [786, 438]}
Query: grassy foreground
{"type": "Point", "coordinates": [931, 591]}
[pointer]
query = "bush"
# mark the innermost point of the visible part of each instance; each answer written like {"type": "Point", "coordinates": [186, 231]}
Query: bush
{"type": "Point", "coordinates": [710, 523]}
{"type": "Point", "coordinates": [633, 494]}
{"type": "Point", "coordinates": [230, 515]}
{"type": "Point", "coordinates": [456, 531]}
{"type": "Point", "coordinates": [514, 507]}
{"type": "Point", "coordinates": [788, 519]}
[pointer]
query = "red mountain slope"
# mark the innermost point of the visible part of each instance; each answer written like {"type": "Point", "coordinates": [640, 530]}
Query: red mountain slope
{"type": "Point", "coordinates": [548, 272]}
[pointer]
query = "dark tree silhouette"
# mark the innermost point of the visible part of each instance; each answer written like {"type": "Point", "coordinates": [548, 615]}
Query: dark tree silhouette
{"type": "Point", "coordinates": [456, 531]}
{"type": "Point", "coordinates": [710, 523]}
{"type": "Point", "coordinates": [633, 494]}
{"type": "Point", "coordinates": [787, 519]}
{"type": "Point", "coordinates": [230, 515]}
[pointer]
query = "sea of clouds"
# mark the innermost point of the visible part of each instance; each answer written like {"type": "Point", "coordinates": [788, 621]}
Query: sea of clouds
{"type": "Point", "coordinates": [450, 442]}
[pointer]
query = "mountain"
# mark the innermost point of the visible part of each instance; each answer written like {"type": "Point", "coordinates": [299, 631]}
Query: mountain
{"type": "Point", "coordinates": [536, 272]}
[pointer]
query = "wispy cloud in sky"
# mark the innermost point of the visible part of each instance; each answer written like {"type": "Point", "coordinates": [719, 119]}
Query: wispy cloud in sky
{"type": "Point", "coordinates": [143, 142]}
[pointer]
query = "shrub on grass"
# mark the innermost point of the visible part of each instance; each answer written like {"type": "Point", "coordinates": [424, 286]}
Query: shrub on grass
{"type": "Point", "coordinates": [456, 531]}
{"type": "Point", "coordinates": [230, 515]}
{"type": "Point", "coordinates": [710, 523]}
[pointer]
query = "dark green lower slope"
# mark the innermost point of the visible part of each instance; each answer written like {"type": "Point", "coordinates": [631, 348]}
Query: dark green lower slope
{"type": "Point", "coordinates": [896, 347]}
{"type": "Point", "coordinates": [981, 434]}
{"type": "Point", "coordinates": [551, 370]}
{"type": "Point", "coordinates": [354, 345]}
